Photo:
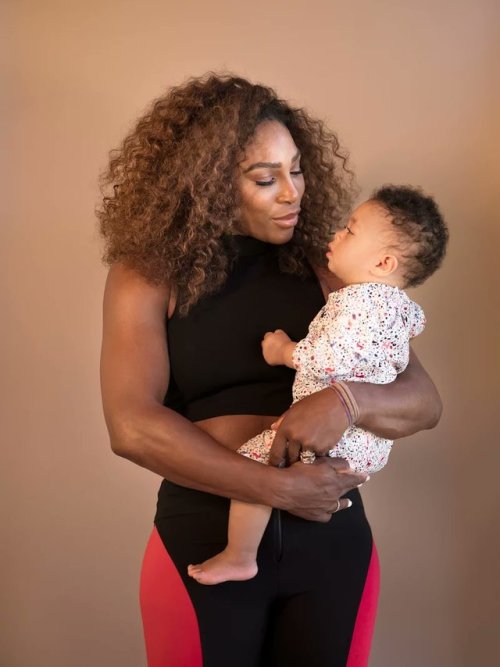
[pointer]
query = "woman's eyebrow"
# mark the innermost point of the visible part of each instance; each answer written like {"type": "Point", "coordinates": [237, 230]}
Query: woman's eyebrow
{"type": "Point", "coordinates": [269, 165]}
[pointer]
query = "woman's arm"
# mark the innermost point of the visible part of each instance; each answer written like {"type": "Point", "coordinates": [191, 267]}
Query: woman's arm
{"type": "Point", "coordinates": [134, 380]}
{"type": "Point", "coordinates": [409, 404]}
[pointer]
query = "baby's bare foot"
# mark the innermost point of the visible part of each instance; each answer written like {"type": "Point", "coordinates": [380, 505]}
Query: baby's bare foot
{"type": "Point", "coordinates": [222, 568]}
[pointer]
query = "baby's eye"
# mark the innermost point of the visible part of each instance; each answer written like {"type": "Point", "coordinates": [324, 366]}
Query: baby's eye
{"type": "Point", "coordinates": [348, 230]}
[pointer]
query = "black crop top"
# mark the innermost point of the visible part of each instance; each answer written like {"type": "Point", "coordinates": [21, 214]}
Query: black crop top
{"type": "Point", "coordinates": [216, 363]}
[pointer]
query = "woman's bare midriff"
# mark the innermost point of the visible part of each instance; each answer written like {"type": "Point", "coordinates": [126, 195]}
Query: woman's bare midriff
{"type": "Point", "coordinates": [233, 430]}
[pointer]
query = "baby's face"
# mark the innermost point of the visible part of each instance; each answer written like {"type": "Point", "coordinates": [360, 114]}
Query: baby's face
{"type": "Point", "coordinates": [360, 246]}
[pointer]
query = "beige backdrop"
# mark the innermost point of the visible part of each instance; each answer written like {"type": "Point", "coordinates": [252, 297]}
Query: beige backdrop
{"type": "Point", "coordinates": [411, 87]}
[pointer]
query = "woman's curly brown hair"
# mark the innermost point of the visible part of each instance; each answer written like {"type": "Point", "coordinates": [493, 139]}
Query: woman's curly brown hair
{"type": "Point", "coordinates": [170, 193]}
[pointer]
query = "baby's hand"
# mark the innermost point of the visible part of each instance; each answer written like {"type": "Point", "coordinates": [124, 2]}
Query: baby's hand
{"type": "Point", "coordinates": [274, 347]}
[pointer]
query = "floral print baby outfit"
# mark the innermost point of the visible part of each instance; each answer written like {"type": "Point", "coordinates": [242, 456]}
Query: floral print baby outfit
{"type": "Point", "coordinates": [361, 334]}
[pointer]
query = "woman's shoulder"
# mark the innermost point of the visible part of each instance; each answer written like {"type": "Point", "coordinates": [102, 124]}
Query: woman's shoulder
{"type": "Point", "coordinates": [127, 288]}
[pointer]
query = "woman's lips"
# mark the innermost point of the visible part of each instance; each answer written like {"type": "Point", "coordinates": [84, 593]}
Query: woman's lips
{"type": "Point", "coordinates": [287, 221]}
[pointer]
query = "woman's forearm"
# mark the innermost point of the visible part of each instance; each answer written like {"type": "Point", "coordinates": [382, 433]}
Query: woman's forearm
{"type": "Point", "coordinates": [135, 372]}
{"type": "Point", "coordinates": [162, 441]}
{"type": "Point", "coordinates": [409, 404]}
{"type": "Point", "coordinates": [166, 443]}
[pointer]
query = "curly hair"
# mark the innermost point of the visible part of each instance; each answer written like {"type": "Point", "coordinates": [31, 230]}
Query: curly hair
{"type": "Point", "coordinates": [421, 229]}
{"type": "Point", "coordinates": [170, 196]}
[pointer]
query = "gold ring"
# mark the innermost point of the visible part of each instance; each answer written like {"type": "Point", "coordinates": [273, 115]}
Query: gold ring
{"type": "Point", "coordinates": [307, 456]}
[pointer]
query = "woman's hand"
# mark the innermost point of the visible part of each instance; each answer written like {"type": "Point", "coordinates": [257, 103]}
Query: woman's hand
{"type": "Point", "coordinates": [315, 423]}
{"type": "Point", "coordinates": [134, 374]}
{"type": "Point", "coordinates": [315, 490]}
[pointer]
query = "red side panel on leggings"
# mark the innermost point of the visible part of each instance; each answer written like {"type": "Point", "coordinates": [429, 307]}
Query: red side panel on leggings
{"type": "Point", "coordinates": [170, 625]}
{"type": "Point", "coordinates": [359, 651]}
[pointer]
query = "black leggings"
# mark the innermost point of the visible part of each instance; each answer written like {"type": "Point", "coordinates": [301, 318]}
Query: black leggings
{"type": "Point", "coordinates": [313, 601]}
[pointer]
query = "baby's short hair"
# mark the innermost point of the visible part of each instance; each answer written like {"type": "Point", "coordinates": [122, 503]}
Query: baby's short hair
{"type": "Point", "coordinates": [420, 223]}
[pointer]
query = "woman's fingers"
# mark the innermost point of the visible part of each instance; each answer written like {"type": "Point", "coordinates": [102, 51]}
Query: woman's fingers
{"type": "Point", "coordinates": [316, 491]}
{"type": "Point", "coordinates": [324, 517]}
{"type": "Point", "coordinates": [341, 504]}
{"type": "Point", "coordinates": [293, 451]}
{"type": "Point", "coordinates": [347, 478]}
{"type": "Point", "coordinates": [344, 503]}
{"type": "Point", "coordinates": [275, 425]}
{"type": "Point", "coordinates": [317, 421]}
{"type": "Point", "coordinates": [278, 453]}
{"type": "Point", "coordinates": [340, 465]}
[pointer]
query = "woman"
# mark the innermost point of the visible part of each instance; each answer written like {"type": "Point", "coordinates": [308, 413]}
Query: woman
{"type": "Point", "coordinates": [214, 239]}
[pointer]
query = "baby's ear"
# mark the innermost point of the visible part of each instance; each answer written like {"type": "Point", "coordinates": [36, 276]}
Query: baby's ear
{"type": "Point", "coordinates": [386, 265]}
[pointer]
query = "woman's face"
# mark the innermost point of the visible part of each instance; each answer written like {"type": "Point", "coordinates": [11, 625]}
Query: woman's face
{"type": "Point", "coordinates": [270, 184]}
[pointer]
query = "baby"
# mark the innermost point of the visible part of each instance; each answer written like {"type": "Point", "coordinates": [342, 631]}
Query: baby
{"type": "Point", "coordinates": [396, 239]}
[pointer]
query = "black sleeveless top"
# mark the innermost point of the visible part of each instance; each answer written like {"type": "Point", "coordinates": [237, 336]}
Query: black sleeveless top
{"type": "Point", "coordinates": [216, 363]}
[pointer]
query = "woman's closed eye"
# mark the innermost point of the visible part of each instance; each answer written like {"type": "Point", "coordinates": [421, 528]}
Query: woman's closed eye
{"type": "Point", "coordinates": [295, 172]}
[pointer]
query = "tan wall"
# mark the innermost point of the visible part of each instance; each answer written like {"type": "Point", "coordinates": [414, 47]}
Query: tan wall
{"type": "Point", "coordinates": [410, 88]}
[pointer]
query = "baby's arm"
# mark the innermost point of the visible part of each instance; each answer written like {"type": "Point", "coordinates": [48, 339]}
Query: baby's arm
{"type": "Point", "coordinates": [330, 349]}
{"type": "Point", "coordinates": [344, 339]}
{"type": "Point", "coordinates": [278, 348]}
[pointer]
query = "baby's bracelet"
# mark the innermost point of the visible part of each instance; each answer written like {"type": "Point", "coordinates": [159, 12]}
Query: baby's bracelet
{"type": "Point", "coordinates": [348, 401]}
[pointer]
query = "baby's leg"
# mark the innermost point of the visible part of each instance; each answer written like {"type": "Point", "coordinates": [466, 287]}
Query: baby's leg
{"type": "Point", "coordinates": [247, 523]}
{"type": "Point", "coordinates": [238, 561]}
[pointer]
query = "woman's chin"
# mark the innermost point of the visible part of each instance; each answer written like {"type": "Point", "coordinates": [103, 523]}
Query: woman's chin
{"type": "Point", "coordinates": [281, 235]}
